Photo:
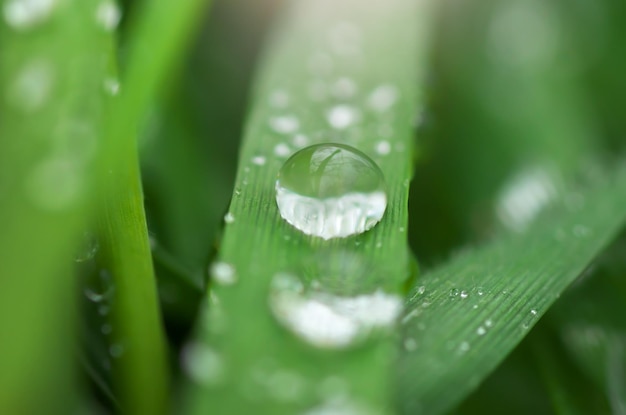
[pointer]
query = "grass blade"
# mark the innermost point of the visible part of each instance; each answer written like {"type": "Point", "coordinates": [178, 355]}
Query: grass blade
{"type": "Point", "coordinates": [463, 318]}
{"type": "Point", "coordinates": [50, 121]}
{"type": "Point", "coordinates": [324, 55]}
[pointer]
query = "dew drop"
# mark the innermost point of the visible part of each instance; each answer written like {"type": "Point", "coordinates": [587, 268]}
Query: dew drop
{"type": "Point", "coordinates": [258, 160]}
{"type": "Point", "coordinates": [88, 248]}
{"type": "Point", "coordinates": [464, 294]}
{"type": "Point", "coordinates": [410, 345]}
{"type": "Point", "coordinates": [111, 86]}
{"type": "Point", "coordinates": [481, 331]}
{"type": "Point", "coordinates": [202, 364]}
{"type": "Point", "coordinates": [383, 97]}
{"type": "Point", "coordinates": [282, 150]}
{"type": "Point", "coordinates": [32, 86]}
{"type": "Point", "coordinates": [383, 148]}
{"type": "Point", "coordinates": [464, 347]}
{"type": "Point", "coordinates": [55, 184]}
{"type": "Point", "coordinates": [284, 124]}
{"type": "Point", "coordinates": [344, 88]}
{"type": "Point", "coordinates": [223, 273]}
{"type": "Point", "coordinates": [342, 116]}
{"type": "Point", "coordinates": [116, 350]}
{"type": "Point", "coordinates": [300, 140]}
{"type": "Point", "coordinates": [108, 15]}
{"type": "Point", "coordinates": [25, 14]}
{"type": "Point", "coordinates": [331, 191]}
{"type": "Point", "coordinates": [279, 98]}
{"type": "Point", "coordinates": [488, 323]}
{"type": "Point", "coordinates": [454, 292]}
{"type": "Point", "coordinates": [229, 218]}
{"type": "Point", "coordinates": [326, 320]}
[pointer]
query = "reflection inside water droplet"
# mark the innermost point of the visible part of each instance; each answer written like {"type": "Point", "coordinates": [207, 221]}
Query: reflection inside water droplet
{"type": "Point", "coordinates": [331, 191]}
{"type": "Point", "coordinates": [330, 307]}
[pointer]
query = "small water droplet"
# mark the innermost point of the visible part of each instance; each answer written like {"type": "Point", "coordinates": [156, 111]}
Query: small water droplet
{"type": "Point", "coordinates": [103, 310]}
{"type": "Point", "coordinates": [401, 229]}
{"type": "Point", "coordinates": [108, 15]}
{"type": "Point", "coordinates": [383, 97]}
{"type": "Point", "coordinates": [258, 160]}
{"type": "Point", "coordinates": [581, 231]}
{"type": "Point", "coordinates": [229, 218]}
{"type": "Point", "coordinates": [111, 86]}
{"type": "Point", "coordinates": [88, 248]}
{"type": "Point", "coordinates": [282, 150]}
{"type": "Point", "coordinates": [202, 364]}
{"type": "Point", "coordinates": [480, 291]}
{"type": "Point", "coordinates": [55, 184]}
{"type": "Point", "coordinates": [25, 14]}
{"type": "Point", "coordinates": [488, 323]}
{"type": "Point", "coordinates": [223, 273]}
{"type": "Point", "coordinates": [284, 124]}
{"type": "Point", "coordinates": [106, 329]}
{"type": "Point", "coordinates": [300, 140]}
{"type": "Point", "coordinates": [279, 98]}
{"type": "Point", "coordinates": [32, 86]}
{"type": "Point", "coordinates": [339, 404]}
{"type": "Point", "coordinates": [421, 289]}
{"type": "Point", "coordinates": [344, 88]}
{"type": "Point", "coordinates": [326, 320]}
{"type": "Point", "coordinates": [383, 148]}
{"type": "Point", "coordinates": [116, 350]}
{"type": "Point", "coordinates": [464, 347]}
{"type": "Point", "coordinates": [454, 292]}
{"type": "Point", "coordinates": [533, 312]}
{"type": "Point", "coordinates": [410, 345]}
{"type": "Point", "coordinates": [481, 331]}
{"type": "Point", "coordinates": [342, 116]}
{"type": "Point", "coordinates": [331, 191]}
{"type": "Point", "coordinates": [464, 294]}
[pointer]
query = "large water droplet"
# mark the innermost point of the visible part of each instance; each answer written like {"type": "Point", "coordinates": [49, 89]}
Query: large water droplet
{"type": "Point", "coordinates": [108, 15]}
{"type": "Point", "coordinates": [32, 87]}
{"type": "Point", "coordinates": [328, 320]}
{"type": "Point", "coordinates": [331, 191]}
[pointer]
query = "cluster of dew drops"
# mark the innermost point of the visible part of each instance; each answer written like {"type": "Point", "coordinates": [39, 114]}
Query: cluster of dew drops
{"type": "Point", "coordinates": [56, 182]}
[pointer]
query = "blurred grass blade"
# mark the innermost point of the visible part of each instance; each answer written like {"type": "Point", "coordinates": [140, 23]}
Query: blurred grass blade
{"type": "Point", "coordinates": [51, 95]}
{"type": "Point", "coordinates": [141, 364]}
{"type": "Point", "coordinates": [463, 318]}
{"type": "Point", "coordinates": [334, 72]}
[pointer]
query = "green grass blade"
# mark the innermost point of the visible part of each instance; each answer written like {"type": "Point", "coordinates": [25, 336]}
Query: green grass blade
{"type": "Point", "coordinates": [51, 93]}
{"type": "Point", "coordinates": [141, 369]}
{"type": "Point", "coordinates": [463, 318]}
{"type": "Point", "coordinates": [319, 49]}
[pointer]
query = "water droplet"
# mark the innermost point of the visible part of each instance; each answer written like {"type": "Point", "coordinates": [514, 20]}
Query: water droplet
{"type": "Point", "coordinates": [480, 291]}
{"type": "Point", "coordinates": [454, 292]}
{"type": "Point", "coordinates": [410, 345]}
{"type": "Point", "coordinates": [464, 347]}
{"type": "Point", "coordinates": [116, 350]}
{"type": "Point", "coordinates": [331, 191]}
{"type": "Point", "coordinates": [223, 273]}
{"type": "Point", "coordinates": [202, 364]}
{"type": "Point", "coordinates": [106, 329]}
{"type": "Point", "coordinates": [279, 98]}
{"type": "Point", "coordinates": [344, 88]}
{"type": "Point", "coordinates": [488, 323]}
{"type": "Point", "coordinates": [103, 310]}
{"type": "Point", "coordinates": [342, 116]}
{"type": "Point", "coordinates": [111, 86]}
{"type": "Point", "coordinates": [581, 231]}
{"type": "Point", "coordinates": [327, 320]}
{"type": "Point", "coordinates": [258, 160]}
{"type": "Point", "coordinates": [533, 312]}
{"type": "Point", "coordinates": [383, 148]}
{"type": "Point", "coordinates": [339, 405]}
{"type": "Point", "coordinates": [285, 385]}
{"type": "Point", "coordinates": [464, 294]}
{"type": "Point", "coordinates": [108, 15]}
{"type": "Point", "coordinates": [88, 248]}
{"type": "Point", "coordinates": [229, 218]}
{"type": "Point", "coordinates": [25, 14]}
{"type": "Point", "coordinates": [55, 184]}
{"type": "Point", "coordinates": [383, 97]}
{"type": "Point", "coordinates": [32, 86]}
{"type": "Point", "coordinates": [284, 124]}
{"type": "Point", "coordinates": [481, 331]}
{"type": "Point", "coordinates": [421, 289]}
{"type": "Point", "coordinates": [300, 140]}
{"type": "Point", "coordinates": [282, 150]}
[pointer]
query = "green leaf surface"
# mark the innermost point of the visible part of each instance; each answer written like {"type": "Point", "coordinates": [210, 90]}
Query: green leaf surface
{"type": "Point", "coordinates": [324, 56]}
{"type": "Point", "coordinates": [51, 75]}
{"type": "Point", "coordinates": [464, 317]}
